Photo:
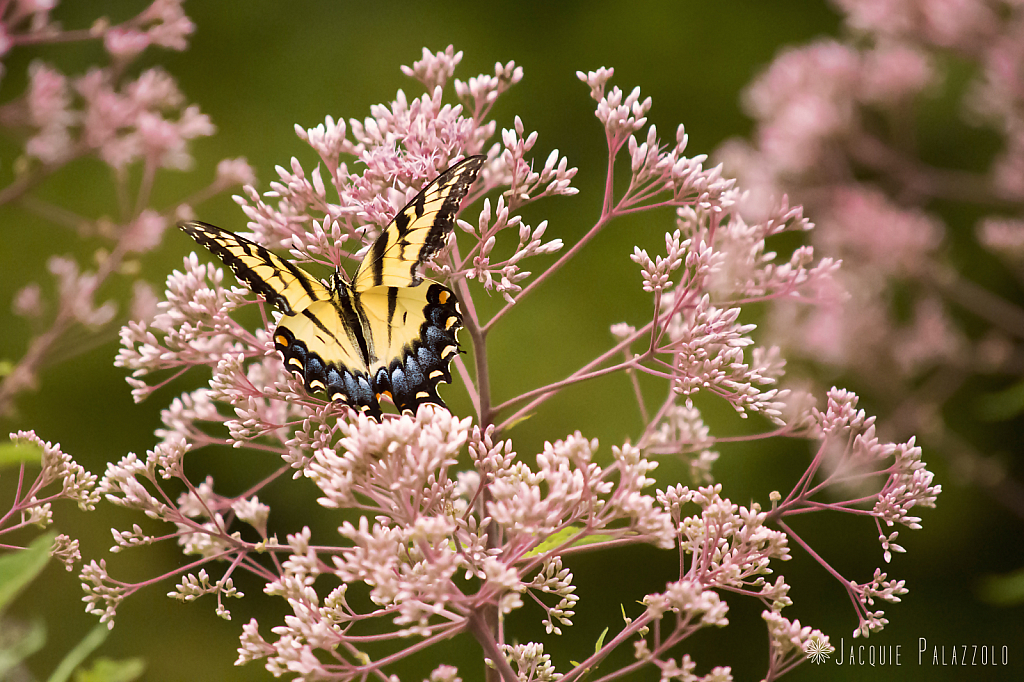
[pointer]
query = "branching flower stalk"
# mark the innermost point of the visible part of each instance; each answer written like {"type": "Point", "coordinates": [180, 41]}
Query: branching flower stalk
{"type": "Point", "coordinates": [121, 120]}
{"type": "Point", "coordinates": [441, 549]}
{"type": "Point", "coordinates": [33, 501]}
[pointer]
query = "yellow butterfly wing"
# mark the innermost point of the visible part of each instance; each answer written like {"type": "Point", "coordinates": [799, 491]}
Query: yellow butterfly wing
{"type": "Point", "coordinates": [325, 346]}
{"type": "Point", "coordinates": [413, 332]}
{"type": "Point", "coordinates": [286, 286]}
{"type": "Point", "coordinates": [318, 340]}
{"type": "Point", "coordinates": [418, 231]}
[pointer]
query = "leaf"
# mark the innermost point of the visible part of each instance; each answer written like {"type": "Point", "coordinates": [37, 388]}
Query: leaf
{"type": "Point", "coordinates": [74, 658]}
{"type": "Point", "coordinates": [22, 645]}
{"type": "Point", "coordinates": [519, 421]}
{"type": "Point", "coordinates": [597, 648]}
{"type": "Point", "coordinates": [109, 670]}
{"type": "Point", "coordinates": [1006, 404]}
{"type": "Point", "coordinates": [600, 640]}
{"type": "Point", "coordinates": [19, 568]}
{"type": "Point", "coordinates": [1003, 590]}
{"type": "Point", "coordinates": [562, 536]}
{"type": "Point", "coordinates": [13, 454]}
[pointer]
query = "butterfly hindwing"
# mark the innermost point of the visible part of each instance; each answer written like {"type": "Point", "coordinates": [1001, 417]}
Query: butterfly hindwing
{"type": "Point", "coordinates": [418, 231]}
{"type": "Point", "coordinates": [414, 334]}
{"type": "Point", "coordinates": [324, 348]}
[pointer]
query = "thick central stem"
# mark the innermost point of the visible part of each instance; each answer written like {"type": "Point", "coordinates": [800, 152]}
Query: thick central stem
{"type": "Point", "coordinates": [485, 624]}
{"type": "Point", "coordinates": [479, 626]}
{"type": "Point", "coordinates": [483, 382]}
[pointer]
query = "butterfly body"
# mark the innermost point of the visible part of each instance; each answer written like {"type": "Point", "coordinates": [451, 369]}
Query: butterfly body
{"type": "Point", "coordinates": [387, 333]}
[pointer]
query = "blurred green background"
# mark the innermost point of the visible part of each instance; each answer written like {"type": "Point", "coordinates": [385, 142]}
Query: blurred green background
{"type": "Point", "coordinates": [257, 68]}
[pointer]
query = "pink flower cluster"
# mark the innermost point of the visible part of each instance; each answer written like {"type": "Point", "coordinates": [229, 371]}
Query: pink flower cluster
{"type": "Point", "coordinates": [120, 123]}
{"type": "Point", "coordinates": [444, 548]}
{"type": "Point", "coordinates": [59, 478]}
{"type": "Point", "coordinates": [123, 121]}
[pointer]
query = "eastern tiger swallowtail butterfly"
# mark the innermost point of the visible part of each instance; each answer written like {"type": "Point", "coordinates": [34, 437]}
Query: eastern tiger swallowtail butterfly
{"type": "Point", "coordinates": [388, 332]}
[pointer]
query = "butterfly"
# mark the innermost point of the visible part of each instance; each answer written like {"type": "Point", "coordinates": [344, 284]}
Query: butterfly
{"type": "Point", "coordinates": [388, 331]}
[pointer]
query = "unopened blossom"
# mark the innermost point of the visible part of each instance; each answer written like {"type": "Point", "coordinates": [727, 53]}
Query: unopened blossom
{"type": "Point", "coordinates": [123, 42]}
{"type": "Point", "coordinates": [66, 551]}
{"type": "Point", "coordinates": [483, 90]}
{"type": "Point", "coordinates": [56, 467]}
{"type": "Point", "coordinates": [166, 24]}
{"type": "Point", "coordinates": [28, 302]}
{"type": "Point", "coordinates": [434, 70]}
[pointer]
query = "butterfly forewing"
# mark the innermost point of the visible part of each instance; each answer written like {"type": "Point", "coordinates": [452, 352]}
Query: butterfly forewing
{"type": "Point", "coordinates": [286, 286]}
{"type": "Point", "coordinates": [396, 258]}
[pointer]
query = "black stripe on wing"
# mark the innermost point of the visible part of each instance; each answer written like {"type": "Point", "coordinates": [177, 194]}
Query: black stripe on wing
{"type": "Point", "coordinates": [283, 284]}
{"type": "Point", "coordinates": [412, 378]}
{"type": "Point", "coordinates": [418, 231]}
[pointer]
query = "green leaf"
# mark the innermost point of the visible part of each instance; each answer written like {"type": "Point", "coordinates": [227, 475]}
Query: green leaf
{"type": "Point", "coordinates": [109, 670]}
{"type": "Point", "coordinates": [19, 568]}
{"type": "Point", "coordinates": [13, 454]}
{"type": "Point", "coordinates": [23, 644]}
{"type": "Point", "coordinates": [1006, 404]}
{"type": "Point", "coordinates": [6, 367]}
{"type": "Point", "coordinates": [559, 538]}
{"type": "Point", "coordinates": [519, 421]}
{"type": "Point", "coordinates": [597, 647]}
{"type": "Point", "coordinates": [1003, 590]}
{"type": "Point", "coordinates": [81, 651]}
{"type": "Point", "coordinates": [600, 640]}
